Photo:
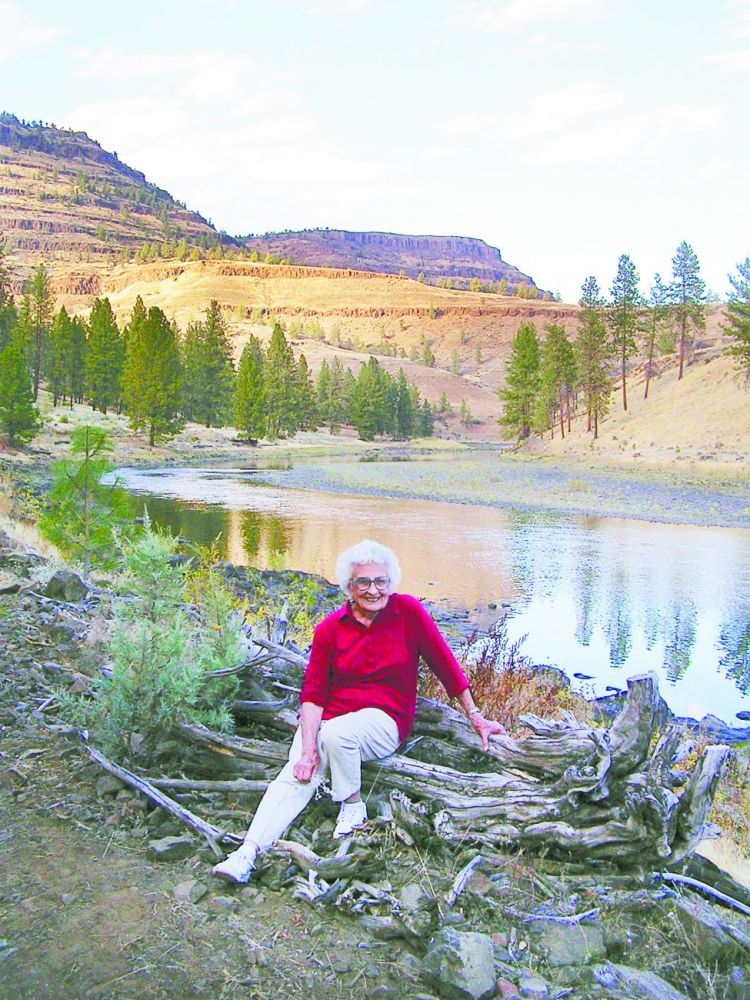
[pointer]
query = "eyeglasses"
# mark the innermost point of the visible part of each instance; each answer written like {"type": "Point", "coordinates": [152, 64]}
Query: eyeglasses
{"type": "Point", "coordinates": [364, 582]}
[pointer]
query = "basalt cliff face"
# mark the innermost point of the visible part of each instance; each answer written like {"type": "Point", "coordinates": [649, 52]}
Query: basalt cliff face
{"type": "Point", "coordinates": [459, 258]}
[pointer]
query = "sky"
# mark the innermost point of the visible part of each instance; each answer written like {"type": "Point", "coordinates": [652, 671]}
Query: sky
{"type": "Point", "coordinates": [563, 132]}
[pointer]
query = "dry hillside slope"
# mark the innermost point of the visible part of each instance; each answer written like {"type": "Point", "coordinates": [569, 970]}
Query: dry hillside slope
{"type": "Point", "coordinates": [704, 418]}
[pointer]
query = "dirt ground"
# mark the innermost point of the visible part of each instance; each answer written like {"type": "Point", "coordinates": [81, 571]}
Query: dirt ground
{"type": "Point", "coordinates": [84, 913]}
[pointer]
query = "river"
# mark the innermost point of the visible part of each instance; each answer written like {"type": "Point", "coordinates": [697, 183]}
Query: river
{"type": "Point", "coordinates": [604, 597]}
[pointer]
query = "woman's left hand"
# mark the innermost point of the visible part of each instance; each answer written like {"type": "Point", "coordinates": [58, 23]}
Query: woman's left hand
{"type": "Point", "coordinates": [484, 728]}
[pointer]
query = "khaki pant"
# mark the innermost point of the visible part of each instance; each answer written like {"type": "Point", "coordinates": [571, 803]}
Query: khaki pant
{"type": "Point", "coordinates": [343, 743]}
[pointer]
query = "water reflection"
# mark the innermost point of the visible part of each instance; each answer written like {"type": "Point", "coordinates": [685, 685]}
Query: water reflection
{"type": "Point", "coordinates": [603, 597]}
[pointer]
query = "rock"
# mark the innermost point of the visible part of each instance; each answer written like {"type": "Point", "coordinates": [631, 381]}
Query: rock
{"type": "Point", "coordinates": [108, 784]}
{"type": "Point", "coordinates": [383, 928]}
{"type": "Point", "coordinates": [171, 848]}
{"type": "Point", "coordinates": [418, 910]}
{"type": "Point", "coordinates": [67, 898]}
{"type": "Point", "coordinates": [636, 984]}
{"type": "Point", "coordinates": [569, 944]}
{"type": "Point", "coordinates": [460, 964]}
{"type": "Point", "coordinates": [703, 928]}
{"type": "Point", "coordinates": [507, 990]}
{"type": "Point", "coordinates": [224, 903]}
{"type": "Point", "coordinates": [66, 586]}
{"type": "Point", "coordinates": [533, 986]}
{"type": "Point", "coordinates": [8, 584]}
{"type": "Point", "coordinates": [341, 965]}
{"type": "Point", "coordinates": [189, 892]}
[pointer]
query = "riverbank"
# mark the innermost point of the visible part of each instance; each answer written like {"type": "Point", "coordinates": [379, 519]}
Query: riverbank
{"type": "Point", "coordinates": [686, 489]}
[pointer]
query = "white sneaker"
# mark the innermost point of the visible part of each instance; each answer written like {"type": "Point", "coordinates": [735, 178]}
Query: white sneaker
{"type": "Point", "coordinates": [352, 816]}
{"type": "Point", "coordinates": [237, 866]}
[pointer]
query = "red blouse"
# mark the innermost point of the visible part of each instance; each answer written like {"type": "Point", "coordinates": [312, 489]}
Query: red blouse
{"type": "Point", "coordinates": [352, 666]}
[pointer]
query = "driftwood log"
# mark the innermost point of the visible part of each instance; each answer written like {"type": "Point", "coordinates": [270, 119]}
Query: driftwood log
{"type": "Point", "coordinates": [573, 791]}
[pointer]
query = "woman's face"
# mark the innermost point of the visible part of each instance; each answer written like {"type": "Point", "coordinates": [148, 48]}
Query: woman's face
{"type": "Point", "coordinates": [368, 598]}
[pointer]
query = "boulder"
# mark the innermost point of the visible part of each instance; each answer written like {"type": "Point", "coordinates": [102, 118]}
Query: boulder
{"type": "Point", "coordinates": [634, 984]}
{"type": "Point", "coordinates": [569, 944]}
{"type": "Point", "coordinates": [108, 784]}
{"type": "Point", "coordinates": [66, 586]}
{"type": "Point", "coordinates": [171, 848]}
{"type": "Point", "coordinates": [460, 964]}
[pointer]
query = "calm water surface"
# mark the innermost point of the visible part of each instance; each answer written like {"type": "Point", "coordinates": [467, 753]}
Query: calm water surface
{"type": "Point", "coordinates": [598, 596]}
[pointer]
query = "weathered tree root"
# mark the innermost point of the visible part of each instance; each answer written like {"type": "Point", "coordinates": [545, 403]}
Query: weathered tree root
{"type": "Point", "coordinates": [568, 789]}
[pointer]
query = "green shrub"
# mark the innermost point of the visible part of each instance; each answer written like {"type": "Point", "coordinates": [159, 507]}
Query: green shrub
{"type": "Point", "coordinates": [163, 652]}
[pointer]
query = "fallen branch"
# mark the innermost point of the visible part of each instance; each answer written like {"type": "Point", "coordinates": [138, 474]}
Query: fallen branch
{"type": "Point", "coordinates": [707, 890]}
{"type": "Point", "coordinates": [213, 834]}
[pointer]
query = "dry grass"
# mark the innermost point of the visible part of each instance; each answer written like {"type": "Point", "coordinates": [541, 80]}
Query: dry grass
{"type": "Point", "coordinates": [506, 687]}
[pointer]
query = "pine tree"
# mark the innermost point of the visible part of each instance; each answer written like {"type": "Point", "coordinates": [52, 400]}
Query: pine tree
{"type": "Point", "coordinates": [427, 356]}
{"type": "Point", "coordinates": [738, 316]}
{"type": "Point", "coordinates": [557, 376]}
{"type": "Point", "coordinates": [658, 319]}
{"type": "Point", "coordinates": [593, 354]}
{"type": "Point", "coordinates": [688, 292]}
{"type": "Point", "coordinates": [278, 381]}
{"type": "Point", "coordinates": [19, 418]}
{"type": "Point", "coordinates": [426, 420]}
{"type": "Point", "coordinates": [305, 401]}
{"type": "Point", "coordinates": [84, 512]}
{"type": "Point", "coordinates": [368, 401]}
{"type": "Point", "coordinates": [521, 382]}
{"type": "Point", "coordinates": [215, 370]}
{"type": "Point", "coordinates": [250, 397]}
{"type": "Point", "coordinates": [40, 317]}
{"type": "Point", "coordinates": [624, 316]}
{"type": "Point", "coordinates": [405, 409]}
{"type": "Point", "coordinates": [60, 346]}
{"type": "Point", "coordinates": [105, 357]}
{"type": "Point", "coordinates": [152, 376]}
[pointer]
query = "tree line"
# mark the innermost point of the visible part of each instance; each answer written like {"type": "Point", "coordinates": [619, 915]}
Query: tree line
{"type": "Point", "coordinates": [547, 378]}
{"type": "Point", "coordinates": [161, 378]}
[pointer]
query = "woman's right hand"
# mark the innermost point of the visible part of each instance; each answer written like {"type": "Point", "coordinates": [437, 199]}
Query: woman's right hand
{"type": "Point", "coordinates": [306, 766]}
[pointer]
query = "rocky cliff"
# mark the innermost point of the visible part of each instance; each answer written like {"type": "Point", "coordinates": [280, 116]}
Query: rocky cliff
{"type": "Point", "coordinates": [459, 258]}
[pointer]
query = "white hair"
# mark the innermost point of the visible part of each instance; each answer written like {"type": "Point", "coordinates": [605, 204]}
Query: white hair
{"type": "Point", "coordinates": [367, 552]}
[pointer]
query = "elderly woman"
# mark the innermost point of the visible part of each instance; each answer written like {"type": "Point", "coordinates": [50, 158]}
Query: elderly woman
{"type": "Point", "coordinates": [357, 701]}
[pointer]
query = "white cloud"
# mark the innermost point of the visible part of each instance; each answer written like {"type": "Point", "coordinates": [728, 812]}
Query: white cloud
{"type": "Point", "coordinates": [618, 138]}
{"type": "Point", "coordinates": [515, 14]}
{"type": "Point", "coordinates": [21, 31]}
{"type": "Point", "coordinates": [713, 168]}
{"type": "Point", "coordinates": [731, 62]}
{"type": "Point", "coordinates": [741, 17]}
{"type": "Point", "coordinates": [548, 112]}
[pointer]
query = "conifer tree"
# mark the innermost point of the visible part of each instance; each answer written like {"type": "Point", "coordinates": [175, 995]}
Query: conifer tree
{"type": "Point", "coordinates": [152, 375]}
{"type": "Point", "coordinates": [624, 316]}
{"type": "Point", "coordinates": [105, 356]}
{"type": "Point", "coordinates": [593, 354]}
{"type": "Point", "coordinates": [278, 381]}
{"type": "Point", "coordinates": [84, 512]}
{"type": "Point", "coordinates": [19, 418]}
{"type": "Point", "coordinates": [40, 304]}
{"type": "Point", "coordinates": [521, 383]}
{"type": "Point", "coordinates": [250, 396]}
{"type": "Point", "coordinates": [738, 316]}
{"type": "Point", "coordinates": [657, 320]}
{"type": "Point", "coordinates": [688, 292]}
{"type": "Point", "coordinates": [215, 370]}
{"type": "Point", "coordinates": [405, 410]}
{"type": "Point", "coordinates": [305, 401]}
{"type": "Point", "coordinates": [368, 402]}
{"type": "Point", "coordinates": [557, 376]}
{"type": "Point", "coordinates": [426, 420]}
{"type": "Point", "coordinates": [59, 349]}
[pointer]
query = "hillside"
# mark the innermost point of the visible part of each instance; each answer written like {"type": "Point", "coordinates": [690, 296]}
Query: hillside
{"type": "Point", "coordinates": [436, 258]}
{"type": "Point", "coordinates": [702, 420]}
{"type": "Point", "coordinates": [72, 204]}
